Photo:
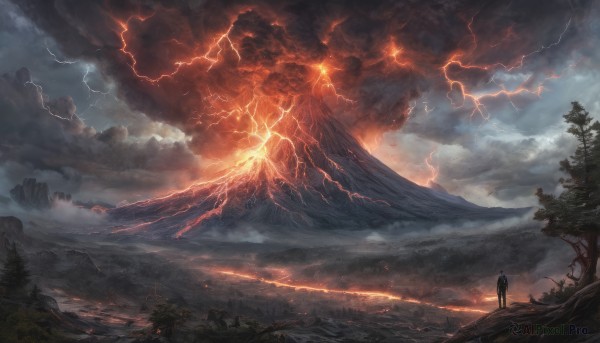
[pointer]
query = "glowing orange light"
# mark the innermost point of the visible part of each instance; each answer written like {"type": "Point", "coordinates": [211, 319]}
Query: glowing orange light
{"type": "Point", "coordinates": [323, 83]}
{"type": "Point", "coordinates": [360, 293]}
{"type": "Point", "coordinates": [433, 170]}
{"type": "Point", "coordinates": [271, 131]}
{"type": "Point", "coordinates": [213, 55]}
{"type": "Point", "coordinates": [396, 54]}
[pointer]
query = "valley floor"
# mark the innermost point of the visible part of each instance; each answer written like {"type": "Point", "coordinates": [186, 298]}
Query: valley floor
{"type": "Point", "coordinates": [336, 286]}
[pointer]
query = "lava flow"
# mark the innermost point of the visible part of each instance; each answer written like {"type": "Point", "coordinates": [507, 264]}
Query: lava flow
{"type": "Point", "coordinates": [359, 293]}
{"type": "Point", "coordinates": [272, 130]}
{"type": "Point", "coordinates": [279, 121]}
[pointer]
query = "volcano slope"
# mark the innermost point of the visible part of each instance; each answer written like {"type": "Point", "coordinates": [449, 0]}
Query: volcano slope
{"type": "Point", "coordinates": [303, 170]}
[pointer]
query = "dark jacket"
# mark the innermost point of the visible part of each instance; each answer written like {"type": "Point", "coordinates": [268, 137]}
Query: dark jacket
{"type": "Point", "coordinates": [502, 284]}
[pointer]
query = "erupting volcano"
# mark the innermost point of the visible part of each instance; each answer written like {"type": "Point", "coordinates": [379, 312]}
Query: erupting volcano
{"type": "Point", "coordinates": [297, 170]}
{"type": "Point", "coordinates": [302, 170]}
{"type": "Point", "coordinates": [259, 104]}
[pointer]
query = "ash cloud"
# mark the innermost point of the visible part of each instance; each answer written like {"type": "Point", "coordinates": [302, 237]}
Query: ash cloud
{"type": "Point", "coordinates": [352, 36]}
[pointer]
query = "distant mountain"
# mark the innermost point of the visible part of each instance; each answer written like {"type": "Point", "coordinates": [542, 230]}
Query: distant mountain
{"type": "Point", "coordinates": [31, 194]}
{"type": "Point", "coordinates": [36, 195]}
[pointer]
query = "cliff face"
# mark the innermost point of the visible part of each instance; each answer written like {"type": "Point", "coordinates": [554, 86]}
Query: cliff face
{"type": "Point", "coordinates": [31, 194]}
{"type": "Point", "coordinates": [36, 195]}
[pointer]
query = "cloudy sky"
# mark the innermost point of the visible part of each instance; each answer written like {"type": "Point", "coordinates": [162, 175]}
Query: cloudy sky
{"type": "Point", "coordinates": [80, 117]}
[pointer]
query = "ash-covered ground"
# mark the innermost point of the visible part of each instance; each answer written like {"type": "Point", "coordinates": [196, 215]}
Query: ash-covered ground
{"type": "Point", "coordinates": [400, 284]}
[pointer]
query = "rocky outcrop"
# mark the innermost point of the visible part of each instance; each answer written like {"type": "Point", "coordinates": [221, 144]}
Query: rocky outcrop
{"type": "Point", "coordinates": [31, 194]}
{"type": "Point", "coordinates": [62, 196]}
{"type": "Point", "coordinates": [76, 260]}
{"type": "Point", "coordinates": [512, 324]}
{"type": "Point", "coordinates": [36, 195]}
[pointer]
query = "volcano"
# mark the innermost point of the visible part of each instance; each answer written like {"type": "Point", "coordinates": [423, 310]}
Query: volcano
{"type": "Point", "coordinates": [316, 176]}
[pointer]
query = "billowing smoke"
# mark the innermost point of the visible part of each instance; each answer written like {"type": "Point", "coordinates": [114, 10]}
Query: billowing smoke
{"type": "Point", "coordinates": [180, 61]}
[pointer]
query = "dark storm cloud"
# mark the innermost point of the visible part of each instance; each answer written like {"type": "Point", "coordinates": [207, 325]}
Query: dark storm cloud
{"type": "Point", "coordinates": [354, 34]}
{"type": "Point", "coordinates": [353, 38]}
{"type": "Point", "coordinates": [38, 134]}
{"type": "Point", "coordinates": [525, 45]}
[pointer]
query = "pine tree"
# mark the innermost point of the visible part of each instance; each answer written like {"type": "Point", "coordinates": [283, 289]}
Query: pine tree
{"type": "Point", "coordinates": [574, 216]}
{"type": "Point", "coordinates": [15, 276]}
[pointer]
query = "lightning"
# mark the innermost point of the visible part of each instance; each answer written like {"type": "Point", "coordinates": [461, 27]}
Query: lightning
{"type": "Point", "coordinates": [280, 148]}
{"type": "Point", "coordinates": [56, 59]}
{"type": "Point", "coordinates": [272, 132]}
{"type": "Point", "coordinates": [324, 83]}
{"type": "Point", "coordinates": [214, 53]}
{"type": "Point", "coordinates": [212, 56]}
{"type": "Point", "coordinates": [434, 171]}
{"type": "Point", "coordinates": [84, 79]}
{"type": "Point", "coordinates": [42, 100]}
{"type": "Point", "coordinates": [521, 61]}
{"type": "Point", "coordinates": [397, 55]}
{"type": "Point", "coordinates": [477, 99]}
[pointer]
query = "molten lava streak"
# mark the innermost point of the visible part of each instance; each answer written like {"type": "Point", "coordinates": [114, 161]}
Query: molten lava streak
{"type": "Point", "coordinates": [273, 131]}
{"type": "Point", "coordinates": [269, 119]}
{"type": "Point", "coordinates": [369, 294]}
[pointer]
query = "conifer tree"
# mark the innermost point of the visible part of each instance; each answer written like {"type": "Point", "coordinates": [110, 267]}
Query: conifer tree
{"type": "Point", "coordinates": [574, 215]}
{"type": "Point", "coordinates": [15, 275]}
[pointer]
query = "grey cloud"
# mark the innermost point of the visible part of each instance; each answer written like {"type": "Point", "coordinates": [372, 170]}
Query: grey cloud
{"type": "Point", "coordinates": [33, 141]}
{"type": "Point", "coordinates": [509, 169]}
{"type": "Point", "coordinates": [430, 31]}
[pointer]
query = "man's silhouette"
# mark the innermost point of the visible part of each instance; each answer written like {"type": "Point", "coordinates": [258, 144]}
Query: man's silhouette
{"type": "Point", "coordinates": [501, 288]}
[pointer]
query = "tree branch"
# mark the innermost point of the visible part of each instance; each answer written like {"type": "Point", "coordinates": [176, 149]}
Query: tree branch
{"type": "Point", "coordinates": [555, 282]}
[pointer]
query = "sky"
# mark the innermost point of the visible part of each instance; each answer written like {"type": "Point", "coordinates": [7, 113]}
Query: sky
{"type": "Point", "coordinates": [80, 117]}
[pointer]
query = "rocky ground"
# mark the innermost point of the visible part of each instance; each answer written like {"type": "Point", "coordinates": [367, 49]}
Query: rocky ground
{"type": "Point", "coordinates": [576, 320]}
{"type": "Point", "coordinates": [389, 286]}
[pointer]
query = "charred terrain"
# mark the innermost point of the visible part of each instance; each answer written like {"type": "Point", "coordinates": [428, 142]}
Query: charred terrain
{"type": "Point", "coordinates": [305, 285]}
{"type": "Point", "coordinates": [218, 174]}
{"type": "Point", "coordinates": [582, 310]}
{"type": "Point", "coordinates": [303, 240]}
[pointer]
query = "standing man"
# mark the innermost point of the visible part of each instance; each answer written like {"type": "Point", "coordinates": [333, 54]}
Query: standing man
{"type": "Point", "coordinates": [501, 288]}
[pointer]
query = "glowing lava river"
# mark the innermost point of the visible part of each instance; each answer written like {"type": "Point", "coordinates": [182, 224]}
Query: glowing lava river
{"type": "Point", "coordinates": [368, 294]}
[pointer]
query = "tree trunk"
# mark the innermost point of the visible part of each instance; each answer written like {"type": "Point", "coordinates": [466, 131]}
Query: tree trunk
{"type": "Point", "coordinates": [588, 275]}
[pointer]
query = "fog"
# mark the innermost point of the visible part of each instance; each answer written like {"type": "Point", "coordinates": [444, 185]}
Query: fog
{"type": "Point", "coordinates": [437, 277]}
